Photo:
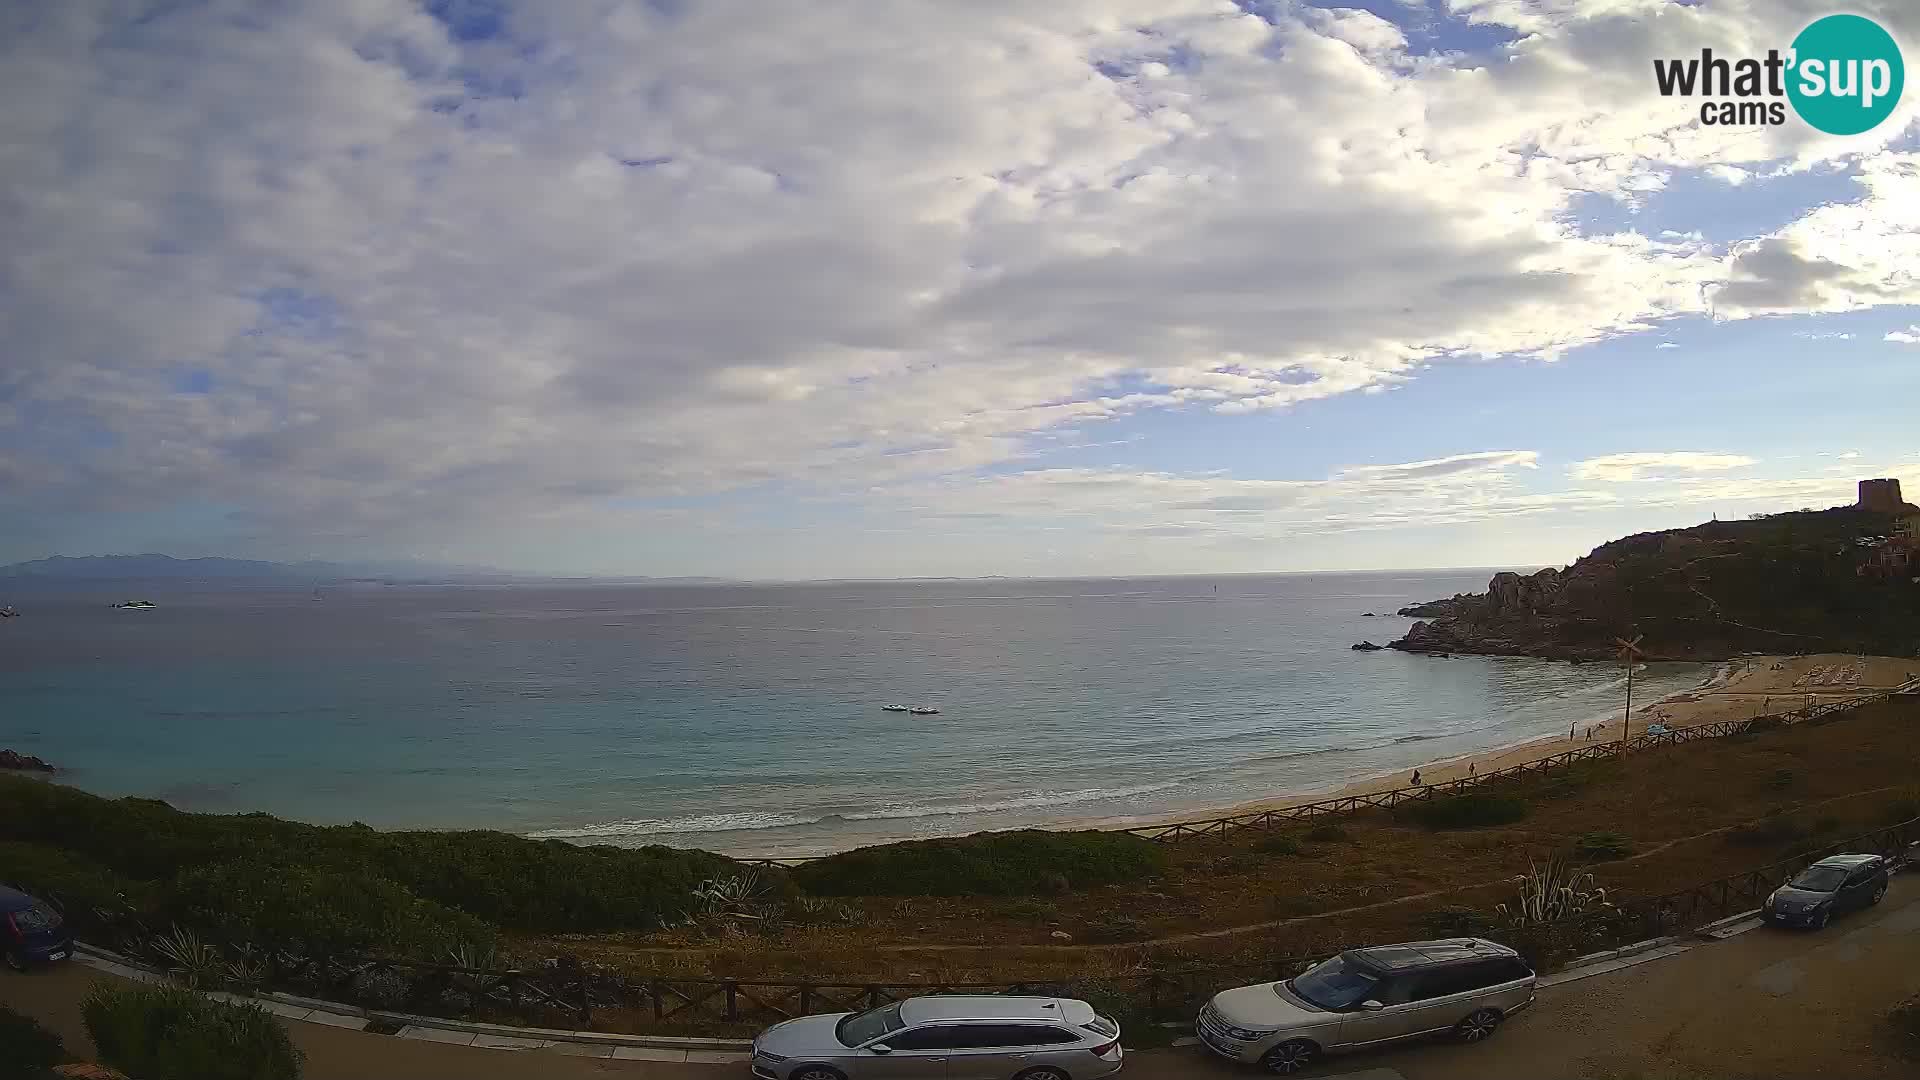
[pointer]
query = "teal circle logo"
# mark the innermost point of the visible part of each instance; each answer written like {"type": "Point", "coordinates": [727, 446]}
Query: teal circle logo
{"type": "Point", "coordinates": [1846, 74]}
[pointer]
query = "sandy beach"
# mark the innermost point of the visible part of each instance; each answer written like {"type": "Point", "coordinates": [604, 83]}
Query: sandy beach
{"type": "Point", "coordinates": [1738, 689]}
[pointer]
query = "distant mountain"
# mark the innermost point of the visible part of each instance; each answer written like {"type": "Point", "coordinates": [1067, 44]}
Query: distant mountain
{"type": "Point", "coordinates": [151, 567]}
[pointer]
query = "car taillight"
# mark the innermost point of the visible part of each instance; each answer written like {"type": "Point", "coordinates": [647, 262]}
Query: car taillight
{"type": "Point", "coordinates": [14, 928]}
{"type": "Point", "coordinates": [1107, 1048]}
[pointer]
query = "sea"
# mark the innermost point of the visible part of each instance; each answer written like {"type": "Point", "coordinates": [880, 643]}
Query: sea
{"type": "Point", "coordinates": [748, 718]}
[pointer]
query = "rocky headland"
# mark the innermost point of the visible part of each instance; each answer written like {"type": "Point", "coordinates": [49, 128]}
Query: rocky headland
{"type": "Point", "coordinates": [1803, 582]}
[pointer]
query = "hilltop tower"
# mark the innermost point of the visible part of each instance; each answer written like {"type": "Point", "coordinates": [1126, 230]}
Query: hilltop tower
{"type": "Point", "coordinates": [1883, 497]}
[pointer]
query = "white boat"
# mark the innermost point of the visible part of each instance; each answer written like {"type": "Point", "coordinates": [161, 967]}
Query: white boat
{"type": "Point", "coordinates": [893, 708]}
{"type": "Point", "coordinates": [923, 710]}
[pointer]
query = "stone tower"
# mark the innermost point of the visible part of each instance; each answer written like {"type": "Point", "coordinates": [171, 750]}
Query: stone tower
{"type": "Point", "coordinates": [1881, 496]}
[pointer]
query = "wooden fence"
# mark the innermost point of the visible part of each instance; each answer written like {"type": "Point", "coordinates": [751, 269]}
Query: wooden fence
{"type": "Point", "coordinates": [566, 994]}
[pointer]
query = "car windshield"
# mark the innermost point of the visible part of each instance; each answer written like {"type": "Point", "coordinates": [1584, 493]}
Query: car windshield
{"type": "Point", "coordinates": [1819, 879]}
{"type": "Point", "coordinates": [867, 1026]}
{"type": "Point", "coordinates": [1335, 984]}
{"type": "Point", "coordinates": [36, 918]}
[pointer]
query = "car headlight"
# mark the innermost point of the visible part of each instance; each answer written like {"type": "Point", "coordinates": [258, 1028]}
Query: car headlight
{"type": "Point", "coordinates": [1249, 1034]}
{"type": "Point", "coordinates": [768, 1054]}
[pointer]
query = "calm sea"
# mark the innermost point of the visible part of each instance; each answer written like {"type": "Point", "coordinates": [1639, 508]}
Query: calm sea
{"type": "Point", "coordinates": [746, 718]}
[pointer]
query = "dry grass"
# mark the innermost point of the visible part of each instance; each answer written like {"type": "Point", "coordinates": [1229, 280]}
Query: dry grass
{"type": "Point", "coordinates": [1228, 901]}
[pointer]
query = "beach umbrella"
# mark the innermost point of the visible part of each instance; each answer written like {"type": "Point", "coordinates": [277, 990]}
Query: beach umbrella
{"type": "Point", "coordinates": [1629, 653]}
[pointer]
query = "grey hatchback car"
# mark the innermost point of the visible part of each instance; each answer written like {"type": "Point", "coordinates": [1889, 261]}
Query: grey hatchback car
{"type": "Point", "coordinates": [1835, 884]}
{"type": "Point", "coordinates": [1364, 997]}
{"type": "Point", "coordinates": [945, 1037]}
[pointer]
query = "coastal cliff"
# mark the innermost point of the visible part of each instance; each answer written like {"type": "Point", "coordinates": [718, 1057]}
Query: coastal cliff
{"type": "Point", "coordinates": [1799, 582]}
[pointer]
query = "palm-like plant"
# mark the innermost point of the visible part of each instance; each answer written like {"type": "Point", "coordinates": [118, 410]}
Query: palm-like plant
{"type": "Point", "coordinates": [191, 960]}
{"type": "Point", "coordinates": [1553, 892]}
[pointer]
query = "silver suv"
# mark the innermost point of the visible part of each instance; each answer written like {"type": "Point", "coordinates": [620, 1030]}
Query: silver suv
{"type": "Point", "coordinates": [1364, 997]}
{"type": "Point", "coordinates": [945, 1036]}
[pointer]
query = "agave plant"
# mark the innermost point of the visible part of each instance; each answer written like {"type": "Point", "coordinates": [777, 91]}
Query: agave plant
{"type": "Point", "coordinates": [738, 897]}
{"type": "Point", "coordinates": [1552, 892]}
{"type": "Point", "coordinates": [246, 968]}
{"type": "Point", "coordinates": [191, 960]}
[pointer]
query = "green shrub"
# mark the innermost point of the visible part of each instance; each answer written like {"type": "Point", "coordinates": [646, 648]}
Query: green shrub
{"type": "Point", "coordinates": [522, 884]}
{"type": "Point", "coordinates": [1601, 846]}
{"type": "Point", "coordinates": [166, 1033]}
{"type": "Point", "coordinates": [334, 910]}
{"type": "Point", "coordinates": [1327, 834]}
{"type": "Point", "coordinates": [1472, 810]}
{"type": "Point", "coordinates": [995, 864]}
{"type": "Point", "coordinates": [73, 881]}
{"type": "Point", "coordinates": [1451, 922]}
{"type": "Point", "coordinates": [1278, 845]}
{"type": "Point", "coordinates": [27, 1050]}
{"type": "Point", "coordinates": [1774, 829]}
{"type": "Point", "coordinates": [1903, 807]}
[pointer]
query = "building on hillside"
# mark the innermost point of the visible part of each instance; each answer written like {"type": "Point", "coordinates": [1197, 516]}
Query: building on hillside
{"type": "Point", "coordinates": [1882, 496]}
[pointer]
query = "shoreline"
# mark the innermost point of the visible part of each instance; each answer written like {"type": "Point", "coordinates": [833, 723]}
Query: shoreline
{"type": "Point", "coordinates": [1733, 689]}
{"type": "Point", "coordinates": [1736, 690]}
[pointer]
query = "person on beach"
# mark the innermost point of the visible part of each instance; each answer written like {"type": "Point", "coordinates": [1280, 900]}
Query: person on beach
{"type": "Point", "coordinates": [1416, 778]}
{"type": "Point", "coordinates": [1471, 767]}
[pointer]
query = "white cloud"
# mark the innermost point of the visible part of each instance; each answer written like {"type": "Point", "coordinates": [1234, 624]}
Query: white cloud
{"type": "Point", "coordinates": [1667, 345]}
{"type": "Point", "coordinates": [1730, 175]}
{"type": "Point", "coordinates": [358, 279]}
{"type": "Point", "coordinates": [1624, 468]}
{"type": "Point", "coordinates": [1909, 336]}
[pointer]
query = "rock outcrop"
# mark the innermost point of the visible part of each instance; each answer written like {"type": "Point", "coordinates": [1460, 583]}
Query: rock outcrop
{"type": "Point", "coordinates": [11, 760]}
{"type": "Point", "coordinates": [1787, 583]}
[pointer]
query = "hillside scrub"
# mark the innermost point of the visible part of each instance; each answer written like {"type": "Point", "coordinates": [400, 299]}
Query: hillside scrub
{"type": "Point", "coordinates": [1473, 810]}
{"type": "Point", "coordinates": [167, 1033]}
{"type": "Point", "coordinates": [27, 1050]}
{"type": "Point", "coordinates": [1025, 863]}
{"type": "Point", "coordinates": [71, 844]}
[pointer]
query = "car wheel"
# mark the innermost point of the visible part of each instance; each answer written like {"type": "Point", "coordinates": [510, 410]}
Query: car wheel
{"type": "Point", "coordinates": [1044, 1072]}
{"type": "Point", "coordinates": [1290, 1057]}
{"type": "Point", "coordinates": [15, 960]}
{"type": "Point", "coordinates": [1879, 893]}
{"type": "Point", "coordinates": [815, 1072]}
{"type": "Point", "coordinates": [1478, 1026]}
{"type": "Point", "coordinates": [1820, 917]}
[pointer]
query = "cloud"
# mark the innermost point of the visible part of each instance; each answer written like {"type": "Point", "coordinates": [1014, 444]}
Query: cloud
{"type": "Point", "coordinates": [1909, 336]}
{"type": "Point", "coordinates": [355, 274]}
{"type": "Point", "coordinates": [1667, 345]}
{"type": "Point", "coordinates": [1625, 468]}
{"type": "Point", "coordinates": [1730, 175]}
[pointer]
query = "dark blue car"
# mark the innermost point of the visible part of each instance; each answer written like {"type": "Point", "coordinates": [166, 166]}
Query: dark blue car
{"type": "Point", "coordinates": [31, 932]}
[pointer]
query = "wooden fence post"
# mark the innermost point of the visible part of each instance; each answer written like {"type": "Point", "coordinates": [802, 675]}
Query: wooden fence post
{"type": "Point", "coordinates": [733, 1001]}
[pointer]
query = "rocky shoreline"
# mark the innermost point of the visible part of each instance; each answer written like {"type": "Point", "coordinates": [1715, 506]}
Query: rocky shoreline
{"type": "Point", "coordinates": [23, 762]}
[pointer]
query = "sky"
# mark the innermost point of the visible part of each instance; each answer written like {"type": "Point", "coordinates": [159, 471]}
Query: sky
{"type": "Point", "coordinates": [910, 287]}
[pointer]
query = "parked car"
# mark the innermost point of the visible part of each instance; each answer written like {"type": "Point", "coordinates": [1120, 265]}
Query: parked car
{"type": "Point", "coordinates": [31, 932]}
{"type": "Point", "coordinates": [1364, 997]}
{"type": "Point", "coordinates": [945, 1036]}
{"type": "Point", "coordinates": [1834, 884]}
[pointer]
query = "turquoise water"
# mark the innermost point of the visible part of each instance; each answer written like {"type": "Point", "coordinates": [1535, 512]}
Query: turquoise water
{"type": "Point", "coordinates": [747, 718]}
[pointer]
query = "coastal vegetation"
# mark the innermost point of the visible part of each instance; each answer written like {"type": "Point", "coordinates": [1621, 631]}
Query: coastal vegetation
{"type": "Point", "coordinates": [1802, 581]}
{"type": "Point", "coordinates": [169, 1033]}
{"type": "Point", "coordinates": [27, 1050]}
{"type": "Point", "coordinates": [1030, 862]}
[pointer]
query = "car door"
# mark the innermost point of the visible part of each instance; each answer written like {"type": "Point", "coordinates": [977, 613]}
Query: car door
{"type": "Point", "coordinates": [915, 1053]}
{"type": "Point", "coordinates": [1393, 1013]}
{"type": "Point", "coordinates": [1858, 891]}
{"type": "Point", "coordinates": [999, 1051]}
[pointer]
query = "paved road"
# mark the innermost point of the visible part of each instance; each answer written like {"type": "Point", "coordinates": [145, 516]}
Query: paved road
{"type": "Point", "coordinates": [1767, 1005]}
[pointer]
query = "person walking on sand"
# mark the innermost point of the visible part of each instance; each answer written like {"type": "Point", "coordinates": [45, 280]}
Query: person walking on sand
{"type": "Point", "coordinates": [1416, 778]}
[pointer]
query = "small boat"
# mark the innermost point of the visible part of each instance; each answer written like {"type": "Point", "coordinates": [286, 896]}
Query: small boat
{"type": "Point", "coordinates": [8, 613]}
{"type": "Point", "coordinates": [137, 604]}
{"type": "Point", "coordinates": [923, 710]}
{"type": "Point", "coordinates": [893, 708]}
